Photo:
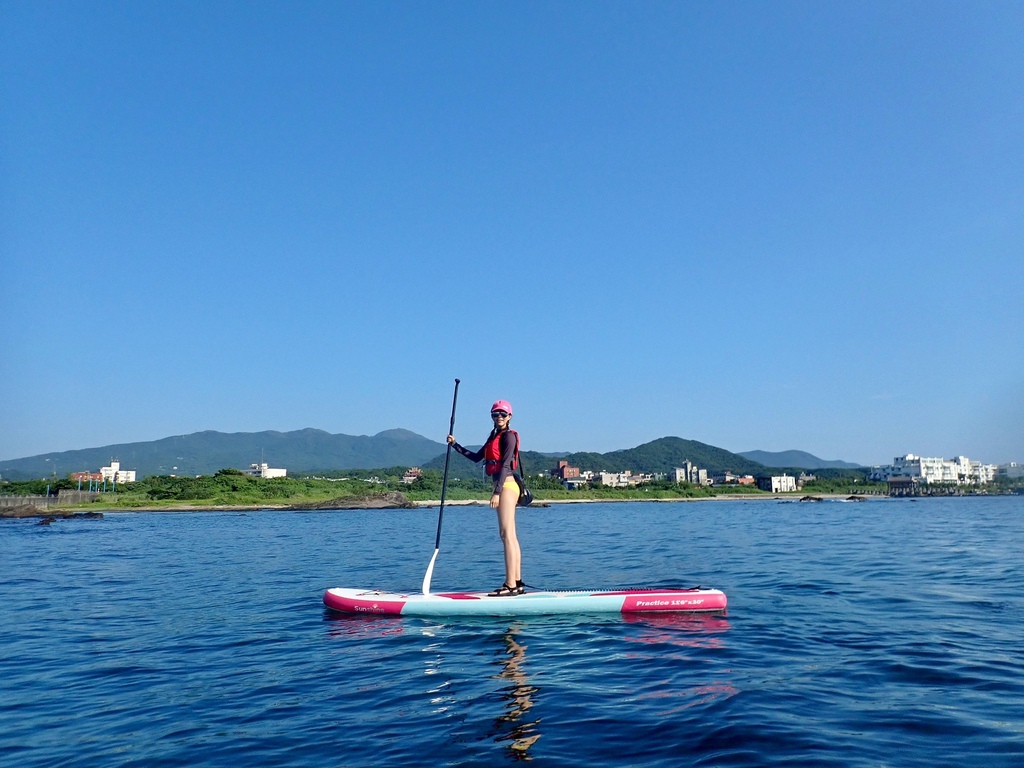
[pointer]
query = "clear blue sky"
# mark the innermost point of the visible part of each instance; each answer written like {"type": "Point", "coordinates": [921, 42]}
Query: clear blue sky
{"type": "Point", "coordinates": [757, 225]}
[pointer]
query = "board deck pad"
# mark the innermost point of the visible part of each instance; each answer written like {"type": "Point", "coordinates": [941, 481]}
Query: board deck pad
{"type": "Point", "coordinates": [371, 601]}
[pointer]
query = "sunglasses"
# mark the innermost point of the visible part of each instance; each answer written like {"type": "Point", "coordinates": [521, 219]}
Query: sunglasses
{"type": "Point", "coordinates": [499, 415]}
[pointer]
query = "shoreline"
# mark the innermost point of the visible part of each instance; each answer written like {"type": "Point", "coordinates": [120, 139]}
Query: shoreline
{"type": "Point", "coordinates": [93, 510]}
{"type": "Point", "coordinates": [798, 497]}
{"type": "Point", "coordinates": [97, 510]}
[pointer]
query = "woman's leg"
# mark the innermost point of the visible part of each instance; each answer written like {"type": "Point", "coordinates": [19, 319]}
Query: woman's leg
{"type": "Point", "coordinates": [507, 531]}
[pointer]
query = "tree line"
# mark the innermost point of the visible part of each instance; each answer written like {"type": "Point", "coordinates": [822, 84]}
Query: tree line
{"type": "Point", "coordinates": [231, 486]}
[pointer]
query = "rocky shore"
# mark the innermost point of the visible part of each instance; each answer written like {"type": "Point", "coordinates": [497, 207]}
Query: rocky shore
{"type": "Point", "coordinates": [392, 500]}
{"type": "Point", "coordinates": [46, 515]}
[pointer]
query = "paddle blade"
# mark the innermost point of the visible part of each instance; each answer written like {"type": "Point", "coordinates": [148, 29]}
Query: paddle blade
{"type": "Point", "coordinates": [429, 573]}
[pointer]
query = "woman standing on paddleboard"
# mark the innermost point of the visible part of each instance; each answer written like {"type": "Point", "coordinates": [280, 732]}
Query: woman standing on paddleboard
{"type": "Point", "coordinates": [500, 455]}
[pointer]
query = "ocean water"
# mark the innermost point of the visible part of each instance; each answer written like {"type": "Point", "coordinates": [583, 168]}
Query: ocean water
{"type": "Point", "coordinates": [882, 633]}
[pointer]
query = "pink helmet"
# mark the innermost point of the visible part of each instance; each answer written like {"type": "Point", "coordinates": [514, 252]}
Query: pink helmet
{"type": "Point", "coordinates": [502, 405]}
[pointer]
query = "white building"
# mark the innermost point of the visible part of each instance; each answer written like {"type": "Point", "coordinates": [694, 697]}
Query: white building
{"type": "Point", "coordinates": [114, 474]}
{"type": "Point", "coordinates": [613, 479]}
{"type": "Point", "coordinates": [777, 484]}
{"type": "Point", "coordinates": [620, 479]}
{"type": "Point", "coordinates": [958, 471]}
{"type": "Point", "coordinates": [982, 473]}
{"type": "Point", "coordinates": [262, 470]}
{"type": "Point", "coordinates": [690, 473]}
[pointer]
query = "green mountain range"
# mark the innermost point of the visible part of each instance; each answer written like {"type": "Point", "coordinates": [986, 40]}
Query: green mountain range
{"type": "Point", "coordinates": [313, 450]}
{"type": "Point", "coordinates": [203, 453]}
{"type": "Point", "coordinates": [661, 455]}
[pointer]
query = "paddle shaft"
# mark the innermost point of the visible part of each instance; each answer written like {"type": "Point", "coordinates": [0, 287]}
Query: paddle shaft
{"type": "Point", "coordinates": [447, 457]}
{"type": "Point", "coordinates": [444, 490]}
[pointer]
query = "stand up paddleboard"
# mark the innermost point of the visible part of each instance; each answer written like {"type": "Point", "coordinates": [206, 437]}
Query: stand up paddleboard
{"type": "Point", "coordinates": [368, 601]}
{"type": "Point", "coordinates": [695, 600]}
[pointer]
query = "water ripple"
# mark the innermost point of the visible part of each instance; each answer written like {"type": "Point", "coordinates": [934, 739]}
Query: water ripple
{"type": "Point", "coordinates": [884, 633]}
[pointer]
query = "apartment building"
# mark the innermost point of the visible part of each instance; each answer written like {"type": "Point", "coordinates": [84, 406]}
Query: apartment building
{"type": "Point", "coordinates": [929, 470]}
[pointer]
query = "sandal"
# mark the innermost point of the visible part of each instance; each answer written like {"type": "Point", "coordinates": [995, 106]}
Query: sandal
{"type": "Point", "coordinates": [520, 588]}
{"type": "Point", "coordinates": [503, 591]}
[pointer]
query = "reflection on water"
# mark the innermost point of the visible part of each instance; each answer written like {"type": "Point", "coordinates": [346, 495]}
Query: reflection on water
{"type": "Point", "coordinates": [687, 698]}
{"type": "Point", "coordinates": [690, 633]}
{"type": "Point", "coordinates": [685, 630]}
{"type": "Point", "coordinates": [670, 648]}
{"type": "Point", "coordinates": [514, 726]}
{"type": "Point", "coordinates": [892, 640]}
{"type": "Point", "coordinates": [342, 625]}
{"type": "Point", "coordinates": [441, 699]}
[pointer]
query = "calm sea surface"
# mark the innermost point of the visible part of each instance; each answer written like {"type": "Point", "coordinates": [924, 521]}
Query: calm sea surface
{"type": "Point", "coordinates": [882, 633]}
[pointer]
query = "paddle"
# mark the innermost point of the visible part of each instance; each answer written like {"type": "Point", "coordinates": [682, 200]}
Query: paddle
{"type": "Point", "coordinates": [444, 489]}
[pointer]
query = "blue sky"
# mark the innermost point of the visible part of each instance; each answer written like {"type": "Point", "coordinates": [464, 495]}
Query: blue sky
{"type": "Point", "coordinates": [757, 225]}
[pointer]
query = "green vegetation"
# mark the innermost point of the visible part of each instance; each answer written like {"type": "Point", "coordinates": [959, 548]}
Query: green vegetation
{"type": "Point", "coordinates": [228, 487]}
{"type": "Point", "coordinates": [39, 487]}
{"type": "Point", "coordinates": [232, 488]}
{"type": "Point", "coordinates": [1008, 485]}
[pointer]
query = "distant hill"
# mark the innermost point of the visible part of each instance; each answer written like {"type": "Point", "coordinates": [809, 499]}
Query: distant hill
{"type": "Point", "coordinates": [799, 459]}
{"type": "Point", "coordinates": [305, 450]}
{"type": "Point", "coordinates": [661, 455]}
{"type": "Point", "coordinates": [203, 453]}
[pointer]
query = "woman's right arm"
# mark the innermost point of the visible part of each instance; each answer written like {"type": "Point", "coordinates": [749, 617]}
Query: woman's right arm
{"type": "Point", "coordinates": [475, 456]}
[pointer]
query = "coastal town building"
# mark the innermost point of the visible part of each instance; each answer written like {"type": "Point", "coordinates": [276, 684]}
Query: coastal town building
{"type": "Point", "coordinates": [612, 479]}
{"type": "Point", "coordinates": [929, 471]}
{"type": "Point", "coordinates": [728, 478]}
{"type": "Point", "coordinates": [571, 477]}
{"type": "Point", "coordinates": [1011, 471]}
{"type": "Point", "coordinates": [565, 472]}
{"type": "Point", "coordinates": [904, 486]}
{"type": "Point", "coordinates": [265, 471]}
{"type": "Point", "coordinates": [985, 473]}
{"type": "Point", "coordinates": [690, 473]}
{"type": "Point", "coordinates": [412, 475]}
{"type": "Point", "coordinates": [777, 484]}
{"type": "Point", "coordinates": [114, 474]}
{"type": "Point", "coordinates": [620, 479]}
{"type": "Point", "coordinates": [803, 479]}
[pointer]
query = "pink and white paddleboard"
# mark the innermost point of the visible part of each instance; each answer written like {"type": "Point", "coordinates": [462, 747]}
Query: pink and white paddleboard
{"type": "Point", "coordinates": [368, 601]}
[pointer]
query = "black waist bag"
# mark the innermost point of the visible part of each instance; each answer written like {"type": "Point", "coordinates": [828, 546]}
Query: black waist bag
{"type": "Point", "coordinates": [525, 494]}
